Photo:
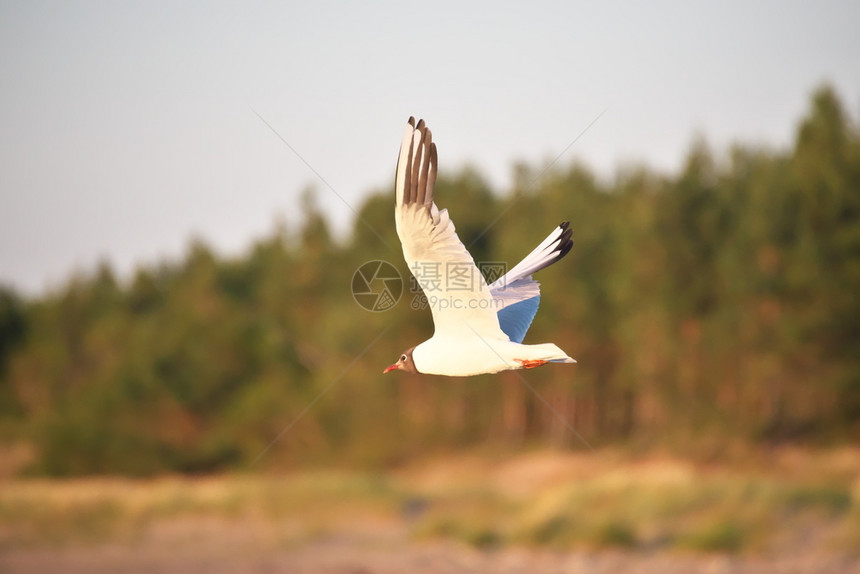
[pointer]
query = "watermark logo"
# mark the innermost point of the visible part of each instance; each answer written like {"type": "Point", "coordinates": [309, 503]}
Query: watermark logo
{"type": "Point", "coordinates": [436, 276]}
{"type": "Point", "coordinates": [493, 271]}
{"type": "Point", "coordinates": [377, 286]}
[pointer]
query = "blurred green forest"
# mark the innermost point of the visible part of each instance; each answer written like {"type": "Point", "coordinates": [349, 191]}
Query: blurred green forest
{"type": "Point", "coordinates": [712, 307]}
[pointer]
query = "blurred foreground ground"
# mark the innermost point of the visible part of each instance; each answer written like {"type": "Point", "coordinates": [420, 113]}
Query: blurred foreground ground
{"type": "Point", "coordinates": [543, 512]}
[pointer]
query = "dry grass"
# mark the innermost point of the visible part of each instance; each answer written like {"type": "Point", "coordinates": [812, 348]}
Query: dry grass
{"type": "Point", "coordinates": [787, 501]}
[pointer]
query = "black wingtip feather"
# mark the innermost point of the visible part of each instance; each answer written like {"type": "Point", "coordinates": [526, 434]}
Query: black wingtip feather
{"type": "Point", "coordinates": [565, 241]}
{"type": "Point", "coordinates": [420, 167]}
{"type": "Point", "coordinates": [560, 247]}
{"type": "Point", "coordinates": [565, 246]}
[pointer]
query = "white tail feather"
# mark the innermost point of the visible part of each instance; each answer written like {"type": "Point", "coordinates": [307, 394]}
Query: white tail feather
{"type": "Point", "coordinates": [547, 352]}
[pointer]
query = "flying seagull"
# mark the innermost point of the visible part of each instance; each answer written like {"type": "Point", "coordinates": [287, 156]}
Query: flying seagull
{"type": "Point", "coordinates": [479, 327]}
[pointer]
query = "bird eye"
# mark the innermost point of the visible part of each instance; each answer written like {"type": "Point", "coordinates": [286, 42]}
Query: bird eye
{"type": "Point", "coordinates": [402, 357]}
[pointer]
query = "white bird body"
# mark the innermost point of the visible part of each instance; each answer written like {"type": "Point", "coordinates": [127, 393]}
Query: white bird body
{"type": "Point", "coordinates": [479, 328]}
{"type": "Point", "coordinates": [475, 355]}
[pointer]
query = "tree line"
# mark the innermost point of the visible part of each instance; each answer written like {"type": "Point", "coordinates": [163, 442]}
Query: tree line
{"type": "Point", "coordinates": [711, 307]}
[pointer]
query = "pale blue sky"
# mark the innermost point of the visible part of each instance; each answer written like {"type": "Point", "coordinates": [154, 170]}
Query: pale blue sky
{"type": "Point", "coordinates": [127, 128]}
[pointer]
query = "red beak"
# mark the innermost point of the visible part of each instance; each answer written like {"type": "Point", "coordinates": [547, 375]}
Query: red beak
{"type": "Point", "coordinates": [389, 369]}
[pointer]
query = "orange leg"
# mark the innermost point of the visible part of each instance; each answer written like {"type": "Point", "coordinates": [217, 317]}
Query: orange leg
{"type": "Point", "coordinates": [529, 364]}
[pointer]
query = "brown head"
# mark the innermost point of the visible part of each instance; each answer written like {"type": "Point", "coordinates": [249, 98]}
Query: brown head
{"type": "Point", "coordinates": [405, 363]}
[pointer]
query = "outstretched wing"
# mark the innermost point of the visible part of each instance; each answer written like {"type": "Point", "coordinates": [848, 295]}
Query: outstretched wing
{"type": "Point", "coordinates": [518, 293]}
{"type": "Point", "coordinates": [457, 294]}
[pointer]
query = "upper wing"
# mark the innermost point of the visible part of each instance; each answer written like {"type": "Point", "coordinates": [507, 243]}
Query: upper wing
{"type": "Point", "coordinates": [457, 293]}
{"type": "Point", "coordinates": [518, 293]}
